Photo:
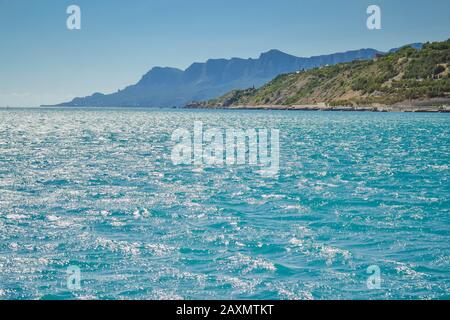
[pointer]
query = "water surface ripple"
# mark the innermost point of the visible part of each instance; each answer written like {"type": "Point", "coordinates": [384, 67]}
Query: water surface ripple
{"type": "Point", "coordinates": [97, 189]}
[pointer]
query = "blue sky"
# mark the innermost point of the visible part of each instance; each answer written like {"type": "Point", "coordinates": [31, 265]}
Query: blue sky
{"type": "Point", "coordinates": [42, 62]}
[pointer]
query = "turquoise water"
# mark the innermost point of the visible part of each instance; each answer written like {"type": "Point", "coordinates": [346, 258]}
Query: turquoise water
{"type": "Point", "coordinates": [97, 189]}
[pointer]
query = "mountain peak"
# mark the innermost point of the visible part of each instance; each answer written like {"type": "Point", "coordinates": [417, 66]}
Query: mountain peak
{"type": "Point", "coordinates": [274, 53]}
{"type": "Point", "coordinates": [160, 74]}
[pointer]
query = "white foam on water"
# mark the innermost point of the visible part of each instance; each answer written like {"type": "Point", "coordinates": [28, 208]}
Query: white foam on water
{"type": "Point", "coordinates": [14, 216]}
{"type": "Point", "coordinates": [118, 246]}
{"type": "Point", "coordinates": [161, 294]}
{"type": "Point", "coordinates": [273, 196]}
{"type": "Point", "coordinates": [250, 264]}
{"type": "Point", "coordinates": [405, 269]}
{"type": "Point", "coordinates": [318, 250]}
{"type": "Point", "coordinates": [242, 285]}
{"type": "Point", "coordinates": [332, 253]}
{"type": "Point", "coordinates": [116, 223]}
{"type": "Point", "coordinates": [14, 246]}
{"type": "Point", "coordinates": [160, 249]}
{"type": "Point", "coordinates": [295, 295]}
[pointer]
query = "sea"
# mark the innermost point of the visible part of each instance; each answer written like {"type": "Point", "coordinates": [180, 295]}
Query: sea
{"type": "Point", "coordinates": [92, 206]}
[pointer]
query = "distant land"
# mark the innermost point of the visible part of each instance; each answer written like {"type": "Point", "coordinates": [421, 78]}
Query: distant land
{"type": "Point", "coordinates": [407, 79]}
{"type": "Point", "coordinates": [171, 87]}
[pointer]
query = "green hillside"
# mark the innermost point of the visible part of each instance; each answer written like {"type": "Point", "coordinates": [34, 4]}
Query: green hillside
{"type": "Point", "coordinates": [406, 75]}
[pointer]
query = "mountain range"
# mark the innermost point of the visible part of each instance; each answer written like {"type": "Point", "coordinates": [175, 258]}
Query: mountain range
{"type": "Point", "coordinates": [169, 87]}
{"type": "Point", "coordinates": [408, 79]}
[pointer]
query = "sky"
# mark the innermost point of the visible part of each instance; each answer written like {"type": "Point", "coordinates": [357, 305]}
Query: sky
{"type": "Point", "coordinates": [43, 62]}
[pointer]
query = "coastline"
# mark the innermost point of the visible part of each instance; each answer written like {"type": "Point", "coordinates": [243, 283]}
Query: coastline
{"type": "Point", "coordinates": [431, 105]}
